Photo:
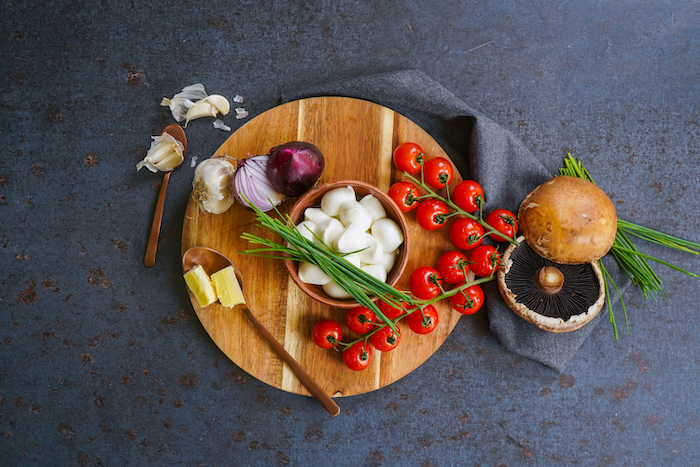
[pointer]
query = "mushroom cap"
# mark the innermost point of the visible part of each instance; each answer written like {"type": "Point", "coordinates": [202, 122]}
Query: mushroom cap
{"type": "Point", "coordinates": [568, 220]}
{"type": "Point", "coordinates": [577, 303]}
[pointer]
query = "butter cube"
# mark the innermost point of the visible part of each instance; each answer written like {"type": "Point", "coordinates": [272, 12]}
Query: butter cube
{"type": "Point", "coordinates": [228, 290]}
{"type": "Point", "coordinates": [200, 285]}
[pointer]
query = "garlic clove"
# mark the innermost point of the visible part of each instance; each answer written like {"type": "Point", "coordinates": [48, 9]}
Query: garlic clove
{"type": "Point", "coordinates": [182, 101]}
{"type": "Point", "coordinates": [200, 109]}
{"type": "Point", "coordinates": [165, 154]}
{"type": "Point", "coordinates": [219, 102]}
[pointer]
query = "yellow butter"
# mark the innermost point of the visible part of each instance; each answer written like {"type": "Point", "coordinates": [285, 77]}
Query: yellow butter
{"type": "Point", "coordinates": [228, 290]}
{"type": "Point", "coordinates": [200, 285]}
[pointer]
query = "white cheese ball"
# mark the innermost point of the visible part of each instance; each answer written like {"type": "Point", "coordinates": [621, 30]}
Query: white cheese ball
{"type": "Point", "coordinates": [387, 233]}
{"type": "Point", "coordinates": [327, 230]}
{"type": "Point", "coordinates": [331, 201]}
{"type": "Point", "coordinates": [334, 290]}
{"type": "Point", "coordinates": [352, 238]}
{"type": "Point", "coordinates": [312, 274]}
{"type": "Point", "coordinates": [315, 215]}
{"type": "Point", "coordinates": [388, 260]}
{"type": "Point", "coordinates": [374, 253]}
{"type": "Point", "coordinates": [376, 271]}
{"type": "Point", "coordinates": [306, 229]}
{"type": "Point", "coordinates": [352, 212]}
{"type": "Point", "coordinates": [353, 259]}
{"type": "Point", "coordinates": [373, 206]}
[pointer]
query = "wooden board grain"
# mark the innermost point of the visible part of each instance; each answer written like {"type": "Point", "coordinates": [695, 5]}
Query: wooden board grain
{"type": "Point", "coordinates": [357, 139]}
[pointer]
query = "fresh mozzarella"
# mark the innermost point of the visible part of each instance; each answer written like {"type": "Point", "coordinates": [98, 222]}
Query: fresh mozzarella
{"type": "Point", "coordinates": [306, 229]}
{"type": "Point", "coordinates": [388, 260]}
{"type": "Point", "coordinates": [352, 212]}
{"type": "Point", "coordinates": [373, 254]}
{"type": "Point", "coordinates": [331, 201]}
{"type": "Point", "coordinates": [312, 274]}
{"type": "Point", "coordinates": [353, 259]}
{"type": "Point", "coordinates": [353, 237]}
{"type": "Point", "coordinates": [315, 215]}
{"type": "Point", "coordinates": [374, 207]}
{"type": "Point", "coordinates": [387, 233]}
{"type": "Point", "coordinates": [335, 291]}
{"type": "Point", "coordinates": [376, 271]}
{"type": "Point", "coordinates": [327, 230]}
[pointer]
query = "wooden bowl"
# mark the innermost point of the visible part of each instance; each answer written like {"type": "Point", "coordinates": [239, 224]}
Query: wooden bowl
{"type": "Point", "coordinates": [313, 198]}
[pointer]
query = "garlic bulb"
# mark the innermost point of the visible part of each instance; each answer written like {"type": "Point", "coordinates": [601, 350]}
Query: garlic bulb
{"type": "Point", "coordinates": [211, 187]}
{"type": "Point", "coordinates": [165, 154]}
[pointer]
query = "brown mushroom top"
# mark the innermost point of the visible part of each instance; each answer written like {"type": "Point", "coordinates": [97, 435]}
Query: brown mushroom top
{"type": "Point", "coordinates": [568, 220]}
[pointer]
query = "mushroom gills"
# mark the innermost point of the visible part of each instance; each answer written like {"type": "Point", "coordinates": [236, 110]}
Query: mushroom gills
{"type": "Point", "coordinates": [578, 293]}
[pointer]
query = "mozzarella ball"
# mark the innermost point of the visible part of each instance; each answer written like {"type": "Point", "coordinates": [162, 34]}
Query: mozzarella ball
{"type": "Point", "coordinates": [312, 274]}
{"type": "Point", "coordinates": [352, 238]}
{"type": "Point", "coordinates": [315, 215]}
{"type": "Point", "coordinates": [388, 260]}
{"type": "Point", "coordinates": [376, 271]}
{"type": "Point", "coordinates": [335, 291]}
{"type": "Point", "coordinates": [327, 230]}
{"type": "Point", "coordinates": [331, 201]}
{"type": "Point", "coordinates": [306, 229]}
{"type": "Point", "coordinates": [353, 259]}
{"type": "Point", "coordinates": [352, 212]}
{"type": "Point", "coordinates": [387, 233]}
{"type": "Point", "coordinates": [373, 254]}
{"type": "Point", "coordinates": [373, 206]}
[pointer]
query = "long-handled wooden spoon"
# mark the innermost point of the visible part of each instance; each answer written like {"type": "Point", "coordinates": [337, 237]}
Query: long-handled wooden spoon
{"type": "Point", "coordinates": [149, 260]}
{"type": "Point", "coordinates": [212, 261]}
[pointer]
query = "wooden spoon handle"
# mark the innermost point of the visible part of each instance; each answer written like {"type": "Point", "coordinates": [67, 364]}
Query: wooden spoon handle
{"type": "Point", "coordinates": [300, 373]}
{"type": "Point", "coordinates": [150, 258]}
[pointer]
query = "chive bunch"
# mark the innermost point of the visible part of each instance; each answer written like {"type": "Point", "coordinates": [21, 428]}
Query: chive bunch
{"type": "Point", "coordinates": [633, 262]}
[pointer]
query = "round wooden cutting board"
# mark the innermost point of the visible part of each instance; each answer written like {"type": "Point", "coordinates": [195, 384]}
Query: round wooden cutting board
{"type": "Point", "coordinates": [357, 139]}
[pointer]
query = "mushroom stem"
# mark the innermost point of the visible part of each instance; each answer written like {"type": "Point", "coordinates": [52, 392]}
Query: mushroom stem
{"type": "Point", "coordinates": [550, 279]}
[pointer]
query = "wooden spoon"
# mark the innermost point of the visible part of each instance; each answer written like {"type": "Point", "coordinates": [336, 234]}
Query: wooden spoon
{"type": "Point", "coordinates": [149, 260]}
{"type": "Point", "coordinates": [213, 261]}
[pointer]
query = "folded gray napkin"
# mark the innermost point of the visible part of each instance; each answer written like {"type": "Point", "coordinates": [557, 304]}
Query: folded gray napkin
{"type": "Point", "coordinates": [486, 152]}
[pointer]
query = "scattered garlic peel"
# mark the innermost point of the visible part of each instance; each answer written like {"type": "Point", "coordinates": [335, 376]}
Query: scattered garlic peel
{"type": "Point", "coordinates": [182, 101]}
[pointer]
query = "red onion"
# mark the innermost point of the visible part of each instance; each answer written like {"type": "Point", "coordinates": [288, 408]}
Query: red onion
{"type": "Point", "coordinates": [250, 181]}
{"type": "Point", "coordinates": [294, 167]}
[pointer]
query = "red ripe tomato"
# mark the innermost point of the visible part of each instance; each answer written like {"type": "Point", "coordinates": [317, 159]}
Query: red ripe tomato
{"type": "Point", "coordinates": [468, 301]}
{"type": "Point", "coordinates": [392, 312]}
{"type": "Point", "coordinates": [484, 260]}
{"type": "Point", "coordinates": [469, 196]}
{"type": "Point", "coordinates": [452, 267]}
{"type": "Point", "coordinates": [423, 322]}
{"type": "Point", "coordinates": [408, 157]}
{"type": "Point", "coordinates": [326, 333]}
{"type": "Point", "coordinates": [405, 195]}
{"type": "Point", "coordinates": [466, 233]}
{"type": "Point", "coordinates": [505, 222]}
{"type": "Point", "coordinates": [358, 356]}
{"type": "Point", "coordinates": [432, 214]}
{"type": "Point", "coordinates": [438, 172]}
{"type": "Point", "coordinates": [385, 339]}
{"type": "Point", "coordinates": [424, 282]}
{"type": "Point", "coordinates": [360, 319]}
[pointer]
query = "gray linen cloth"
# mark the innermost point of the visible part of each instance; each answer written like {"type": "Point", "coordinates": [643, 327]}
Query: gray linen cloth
{"type": "Point", "coordinates": [486, 152]}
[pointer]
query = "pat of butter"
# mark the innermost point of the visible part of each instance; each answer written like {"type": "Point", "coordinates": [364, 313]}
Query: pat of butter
{"type": "Point", "coordinates": [227, 287]}
{"type": "Point", "coordinates": [200, 285]}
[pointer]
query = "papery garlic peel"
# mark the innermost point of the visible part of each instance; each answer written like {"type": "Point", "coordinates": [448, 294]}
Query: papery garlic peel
{"type": "Point", "coordinates": [166, 154]}
{"type": "Point", "coordinates": [212, 186]}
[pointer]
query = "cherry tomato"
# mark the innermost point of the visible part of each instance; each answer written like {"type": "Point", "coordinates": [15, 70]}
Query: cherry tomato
{"type": "Point", "coordinates": [452, 267]}
{"type": "Point", "coordinates": [405, 195]}
{"type": "Point", "coordinates": [326, 333]}
{"type": "Point", "coordinates": [385, 339]}
{"type": "Point", "coordinates": [437, 172]}
{"type": "Point", "coordinates": [504, 221]}
{"type": "Point", "coordinates": [484, 260]}
{"type": "Point", "coordinates": [358, 356]}
{"type": "Point", "coordinates": [424, 282]}
{"type": "Point", "coordinates": [390, 311]}
{"type": "Point", "coordinates": [468, 195]}
{"type": "Point", "coordinates": [360, 319]}
{"type": "Point", "coordinates": [466, 233]}
{"type": "Point", "coordinates": [432, 214]}
{"type": "Point", "coordinates": [408, 158]}
{"type": "Point", "coordinates": [468, 301]}
{"type": "Point", "coordinates": [423, 322]}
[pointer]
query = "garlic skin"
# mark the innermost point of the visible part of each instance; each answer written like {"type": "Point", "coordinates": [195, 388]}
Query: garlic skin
{"type": "Point", "coordinates": [166, 154]}
{"type": "Point", "coordinates": [212, 187]}
{"type": "Point", "coordinates": [183, 100]}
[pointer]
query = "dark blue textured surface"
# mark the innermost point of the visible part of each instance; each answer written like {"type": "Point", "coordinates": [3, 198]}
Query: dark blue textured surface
{"type": "Point", "coordinates": [103, 361]}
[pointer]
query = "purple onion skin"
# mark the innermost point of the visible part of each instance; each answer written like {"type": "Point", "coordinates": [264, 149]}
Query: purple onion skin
{"type": "Point", "coordinates": [294, 167]}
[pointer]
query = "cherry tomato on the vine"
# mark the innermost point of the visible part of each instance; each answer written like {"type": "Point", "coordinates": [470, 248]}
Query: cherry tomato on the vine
{"type": "Point", "coordinates": [452, 267]}
{"type": "Point", "coordinates": [484, 260]}
{"type": "Point", "coordinates": [385, 339]}
{"type": "Point", "coordinates": [424, 282]}
{"type": "Point", "coordinates": [392, 312]}
{"type": "Point", "coordinates": [469, 300]}
{"type": "Point", "coordinates": [432, 214]}
{"type": "Point", "coordinates": [423, 322]}
{"type": "Point", "coordinates": [326, 333]}
{"type": "Point", "coordinates": [505, 222]}
{"type": "Point", "coordinates": [438, 172]}
{"type": "Point", "coordinates": [408, 158]}
{"type": "Point", "coordinates": [466, 233]}
{"type": "Point", "coordinates": [360, 319]}
{"type": "Point", "coordinates": [405, 195]}
{"type": "Point", "coordinates": [358, 356]}
{"type": "Point", "coordinates": [468, 195]}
